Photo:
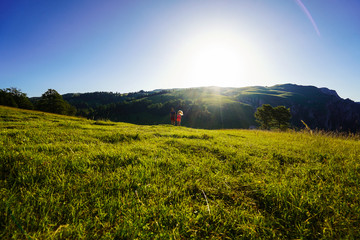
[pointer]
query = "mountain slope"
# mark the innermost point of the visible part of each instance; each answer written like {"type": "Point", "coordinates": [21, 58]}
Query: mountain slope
{"type": "Point", "coordinates": [319, 107]}
{"type": "Point", "coordinates": [214, 107]}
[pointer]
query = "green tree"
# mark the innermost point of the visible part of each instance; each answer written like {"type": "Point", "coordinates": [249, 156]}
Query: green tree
{"type": "Point", "coordinates": [52, 101]}
{"type": "Point", "coordinates": [264, 116]}
{"type": "Point", "coordinates": [269, 117]}
{"type": "Point", "coordinates": [13, 97]}
{"type": "Point", "coordinates": [281, 117]}
{"type": "Point", "coordinates": [7, 99]}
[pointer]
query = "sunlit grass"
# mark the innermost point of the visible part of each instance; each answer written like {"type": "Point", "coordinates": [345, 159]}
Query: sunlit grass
{"type": "Point", "coordinates": [64, 177]}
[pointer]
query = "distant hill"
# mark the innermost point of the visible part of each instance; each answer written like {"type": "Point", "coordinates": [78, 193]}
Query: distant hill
{"type": "Point", "coordinates": [215, 107]}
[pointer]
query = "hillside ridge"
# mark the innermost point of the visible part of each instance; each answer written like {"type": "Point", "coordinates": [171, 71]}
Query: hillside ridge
{"type": "Point", "coordinates": [221, 107]}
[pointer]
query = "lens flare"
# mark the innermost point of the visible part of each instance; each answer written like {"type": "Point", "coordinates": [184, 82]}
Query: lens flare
{"type": "Point", "coordinates": [306, 11]}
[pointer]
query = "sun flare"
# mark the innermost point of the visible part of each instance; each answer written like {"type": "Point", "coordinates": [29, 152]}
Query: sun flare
{"type": "Point", "coordinates": [213, 61]}
{"type": "Point", "coordinates": [217, 58]}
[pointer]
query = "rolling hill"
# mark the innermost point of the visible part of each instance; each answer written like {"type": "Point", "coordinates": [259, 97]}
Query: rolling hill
{"type": "Point", "coordinates": [216, 108]}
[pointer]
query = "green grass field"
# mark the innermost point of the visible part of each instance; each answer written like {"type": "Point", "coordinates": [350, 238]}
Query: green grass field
{"type": "Point", "coordinates": [65, 177]}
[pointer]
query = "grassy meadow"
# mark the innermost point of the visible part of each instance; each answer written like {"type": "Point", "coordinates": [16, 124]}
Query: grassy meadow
{"type": "Point", "coordinates": [71, 178]}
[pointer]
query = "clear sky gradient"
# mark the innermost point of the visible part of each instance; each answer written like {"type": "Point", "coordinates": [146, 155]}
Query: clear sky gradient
{"type": "Point", "coordinates": [126, 46]}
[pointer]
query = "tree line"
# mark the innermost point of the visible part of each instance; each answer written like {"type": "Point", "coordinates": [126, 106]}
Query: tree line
{"type": "Point", "coordinates": [13, 97]}
{"type": "Point", "coordinates": [138, 108]}
{"type": "Point", "coordinates": [50, 101]}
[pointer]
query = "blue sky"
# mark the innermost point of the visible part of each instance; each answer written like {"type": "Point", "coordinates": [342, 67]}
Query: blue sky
{"type": "Point", "coordinates": [125, 46]}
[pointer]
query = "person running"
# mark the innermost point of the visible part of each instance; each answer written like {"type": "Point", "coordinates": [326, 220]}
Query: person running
{"type": "Point", "coordinates": [179, 115]}
{"type": "Point", "coordinates": [172, 116]}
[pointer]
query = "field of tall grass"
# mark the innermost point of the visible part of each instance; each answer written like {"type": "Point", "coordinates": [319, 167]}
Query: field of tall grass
{"type": "Point", "coordinates": [66, 177]}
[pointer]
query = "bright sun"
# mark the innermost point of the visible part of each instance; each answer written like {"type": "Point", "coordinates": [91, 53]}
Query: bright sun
{"type": "Point", "coordinates": [217, 58]}
{"type": "Point", "coordinates": [214, 60]}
